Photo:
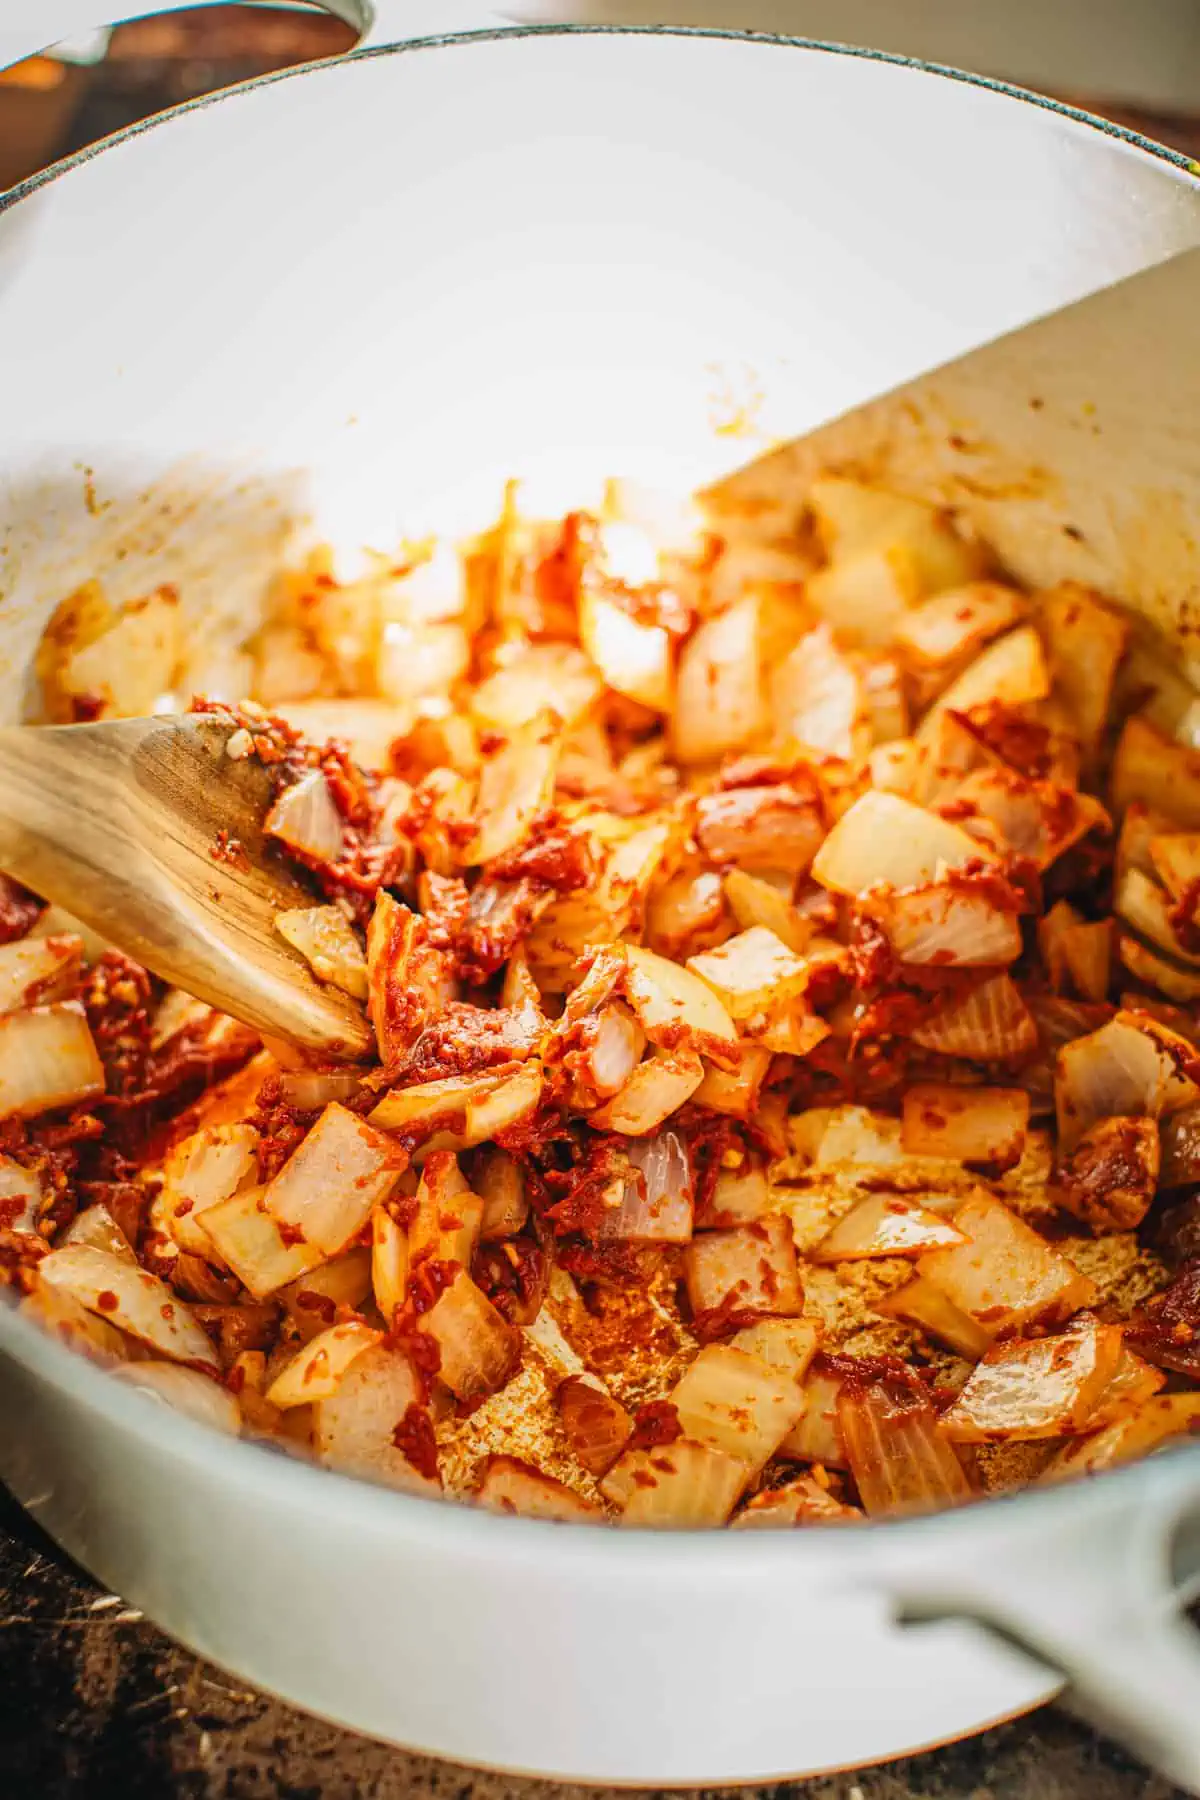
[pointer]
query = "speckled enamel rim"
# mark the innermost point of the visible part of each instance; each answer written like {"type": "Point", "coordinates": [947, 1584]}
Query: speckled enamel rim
{"type": "Point", "coordinates": [274, 1474]}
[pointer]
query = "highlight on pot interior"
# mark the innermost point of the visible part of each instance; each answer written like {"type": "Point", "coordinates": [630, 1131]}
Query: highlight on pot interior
{"type": "Point", "coordinates": [756, 868]}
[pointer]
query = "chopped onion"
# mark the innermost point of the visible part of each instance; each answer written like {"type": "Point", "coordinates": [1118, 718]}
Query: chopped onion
{"type": "Point", "coordinates": [199, 1396]}
{"type": "Point", "coordinates": [735, 1276]}
{"type": "Point", "coordinates": [389, 1263]}
{"type": "Point", "coordinates": [958, 622]}
{"type": "Point", "coordinates": [1036, 819]}
{"type": "Point", "coordinates": [316, 1371]}
{"type": "Point", "coordinates": [818, 699]}
{"type": "Point", "coordinates": [738, 1196]}
{"type": "Point", "coordinates": [311, 1089]}
{"type": "Point", "coordinates": [656, 1089]}
{"type": "Point", "coordinates": [1006, 1275]}
{"type": "Point", "coordinates": [125, 1295]}
{"type": "Point", "coordinates": [866, 593]}
{"type": "Point", "coordinates": [984, 1127]}
{"type": "Point", "coordinates": [656, 1197]}
{"type": "Point", "coordinates": [327, 1187]}
{"type": "Point", "coordinates": [305, 818]}
{"type": "Point", "coordinates": [1142, 904]}
{"type": "Point", "coordinates": [500, 1184]}
{"type": "Point", "coordinates": [719, 701]}
{"type": "Point", "coordinates": [923, 1304]}
{"type": "Point", "coordinates": [366, 727]}
{"type": "Point", "coordinates": [57, 1311]}
{"type": "Point", "coordinates": [760, 828]}
{"type": "Point", "coordinates": [612, 1052]}
{"type": "Point", "coordinates": [1132, 1381]}
{"type": "Point", "coordinates": [634, 658]}
{"type": "Point", "coordinates": [1085, 642]}
{"type": "Point", "coordinates": [512, 1486]}
{"type": "Point", "coordinates": [1157, 971]}
{"type": "Point", "coordinates": [884, 838]}
{"type": "Point", "coordinates": [47, 1059]}
{"type": "Point", "coordinates": [1121, 1070]}
{"type": "Point", "coordinates": [787, 1344]}
{"type": "Point", "coordinates": [800, 1502]}
{"type": "Point", "coordinates": [667, 998]}
{"type": "Point", "coordinates": [1152, 768]}
{"type": "Point", "coordinates": [817, 1437]}
{"type": "Point", "coordinates": [791, 1031]}
{"type": "Point", "coordinates": [680, 1484]}
{"type": "Point", "coordinates": [1036, 1388]}
{"type": "Point", "coordinates": [752, 973]}
{"type": "Point", "coordinates": [515, 785]}
{"type": "Point", "coordinates": [754, 901]}
{"type": "Point", "coordinates": [898, 1453]}
{"type": "Point", "coordinates": [133, 661]}
{"type": "Point", "coordinates": [474, 1107]}
{"type": "Point", "coordinates": [735, 1402]}
{"type": "Point", "coordinates": [735, 1090]}
{"type": "Point", "coordinates": [407, 980]}
{"type": "Point", "coordinates": [200, 1172]}
{"type": "Point", "coordinates": [552, 677]}
{"type": "Point", "coordinates": [1176, 859]}
{"type": "Point", "coordinates": [246, 1237]}
{"type": "Point", "coordinates": [326, 941]}
{"type": "Point", "coordinates": [1111, 1176]}
{"type": "Point", "coordinates": [448, 1217]}
{"type": "Point", "coordinates": [1012, 671]}
{"type": "Point", "coordinates": [852, 516]}
{"type": "Point", "coordinates": [597, 1426]}
{"type": "Point", "coordinates": [953, 927]}
{"type": "Point", "coordinates": [355, 1429]}
{"type": "Point", "coordinates": [1133, 1435]}
{"type": "Point", "coordinates": [313, 1299]}
{"type": "Point", "coordinates": [886, 1225]}
{"type": "Point", "coordinates": [94, 1226]}
{"type": "Point", "coordinates": [991, 1023]}
{"type": "Point", "coordinates": [18, 1183]}
{"type": "Point", "coordinates": [479, 1349]}
{"type": "Point", "coordinates": [37, 968]}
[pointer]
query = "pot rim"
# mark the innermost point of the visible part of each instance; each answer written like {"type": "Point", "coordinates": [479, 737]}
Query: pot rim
{"type": "Point", "coordinates": [285, 1477]}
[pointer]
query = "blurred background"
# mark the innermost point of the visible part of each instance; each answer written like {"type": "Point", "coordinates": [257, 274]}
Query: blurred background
{"type": "Point", "coordinates": [1135, 61]}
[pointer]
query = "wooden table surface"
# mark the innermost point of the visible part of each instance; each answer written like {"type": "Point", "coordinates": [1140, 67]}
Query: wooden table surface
{"type": "Point", "coordinates": [94, 1701]}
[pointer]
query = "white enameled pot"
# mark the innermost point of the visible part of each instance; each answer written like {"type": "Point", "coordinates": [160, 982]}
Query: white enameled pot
{"type": "Point", "coordinates": [362, 294]}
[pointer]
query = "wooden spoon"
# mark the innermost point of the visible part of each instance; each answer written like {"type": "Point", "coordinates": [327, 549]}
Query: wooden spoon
{"type": "Point", "coordinates": [118, 822]}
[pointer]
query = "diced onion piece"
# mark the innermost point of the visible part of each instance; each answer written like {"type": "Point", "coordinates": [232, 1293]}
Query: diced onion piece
{"type": "Point", "coordinates": [656, 1205]}
{"type": "Point", "coordinates": [738, 1196]}
{"type": "Point", "coordinates": [327, 1187]}
{"type": "Point", "coordinates": [516, 783]}
{"type": "Point", "coordinates": [1152, 768]}
{"type": "Point", "coordinates": [248, 1239]}
{"type": "Point", "coordinates": [1176, 859]}
{"type": "Point", "coordinates": [787, 1344]}
{"type": "Point", "coordinates": [735, 1090]}
{"type": "Point", "coordinates": [479, 1349]}
{"type": "Point", "coordinates": [817, 1437]}
{"type": "Point", "coordinates": [634, 658]}
{"type": "Point", "coordinates": [126, 1295]}
{"type": "Point", "coordinates": [736, 1276]}
{"type": "Point", "coordinates": [1121, 1070]}
{"type": "Point", "coordinates": [1125, 1439]}
{"type": "Point", "coordinates": [1012, 670]}
{"type": "Point", "coordinates": [21, 1197]}
{"type": "Point", "coordinates": [1037, 819]}
{"type": "Point", "coordinates": [735, 1402]}
{"type": "Point", "coordinates": [132, 662]}
{"type": "Point", "coordinates": [991, 1023]}
{"type": "Point", "coordinates": [1158, 971]}
{"type": "Point", "coordinates": [898, 1453]}
{"type": "Point", "coordinates": [951, 926]}
{"type": "Point", "coordinates": [667, 998]}
{"type": "Point", "coordinates": [1111, 1176]}
{"type": "Point", "coordinates": [657, 1088]}
{"type": "Point", "coordinates": [470, 1109]}
{"type": "Point", "coordinates": [425, 1102]}
{"type": "Point", "coordinates": [852, 516]}
{"type": "Point", "coordinates": [448, 1217]}
{"type": "Point", "coordinates": [1141, 903]}
{"type": "Point", "coordinates": [37, 968]}
{"type": "Point", "coordinates": [884, 838]}
{"type": "Point", "coordinates": [315, 1298]}
{"type": "Point", "coordinates": [687, 913]}
{"type": "Point", "coordinates": [866, 594]}
{"type": "Point", "coordinates": [355, 1429]}
{"type": "Point", "coordinates": [719, 701]}
{"type": "Point", "coordinates": [512, 1486]}
{"type": "Point", "coordinates": [922, 1303]}
{"type": "Point", "coordinates": [498, 1181]}
{"type": "Point", "coordinates": [680, 1484]}
{"type": "Point", "coordinates": [540, 678]}
{"type": "Point", "coordinates": [305, 818]}
{"type": "Point", "coordinates": [895, 767]}
{"type": "Point", "coordinates": [316, 1372]}
{"type": "Point", "coordinates": [760, 827]}
{"type": "Point", "coordinates": [1006, 1275]}
{"type": "Point", "coordinates": [800, 1502]}
{"type": "Point", "coordinates": [1085, 641]}
{"type": "Point", "coordinates": [984, 1127]}
{"type": "Point", "coordinates": [60, 1313]}
{"type": "Point", "coordinates": [818, 699]}
{"type": "Point", "coordinates": [406, 977]}
{"type": "Point", "coordinates": [1036, 1388]}
{"type": "Point", "coordinates": [1132, 1381]}
{"type": "Point", "coordinates": [886, 1225]}
{"type": "Point", "coordinates": [311, 1089]}
{"type": "Point", "coordinates": [366, 727]}
{"type": "Point", "coordinates": [389, 1263]}
{"type": "Point", "coordinates": [325, 939]}
{"type": "Point", "coordinates": [753, 901]}
{"type": "Point", "coordinates": [958, 622]}
{"type": "Point", "coordinates": [188, 1391]}
{"type": "Point", "coordinates": [1074, 949]}
{"type": "Point", "coordinates": [597, 1426]}
{"type": "Point", "coordinates": [47, 1059]}
{"type": "Point", "coordinates": [94, 1226]}
{"type": "Point", "coordinates": [200, 1172]}
{"type": "Point", "coordinates": [608, 1054]}
{"type": "Point", "coordinates": [752, 973]}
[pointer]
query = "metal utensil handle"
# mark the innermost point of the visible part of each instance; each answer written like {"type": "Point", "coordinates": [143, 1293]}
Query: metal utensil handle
{"type": "Point", "coordinates": [28, 26]}
{"type": "Point", "coordinates": [1093, 1579]}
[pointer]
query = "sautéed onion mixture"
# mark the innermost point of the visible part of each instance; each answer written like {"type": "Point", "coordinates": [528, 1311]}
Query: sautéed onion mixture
{"type": "Point", "coordinates": [783, 959]}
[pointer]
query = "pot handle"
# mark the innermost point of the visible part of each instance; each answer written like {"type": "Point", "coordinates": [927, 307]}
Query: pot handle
{"type": "Point", "coordinates": [29, 26]}
{"type": "Point", "coordinates": [1093, 1579]}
